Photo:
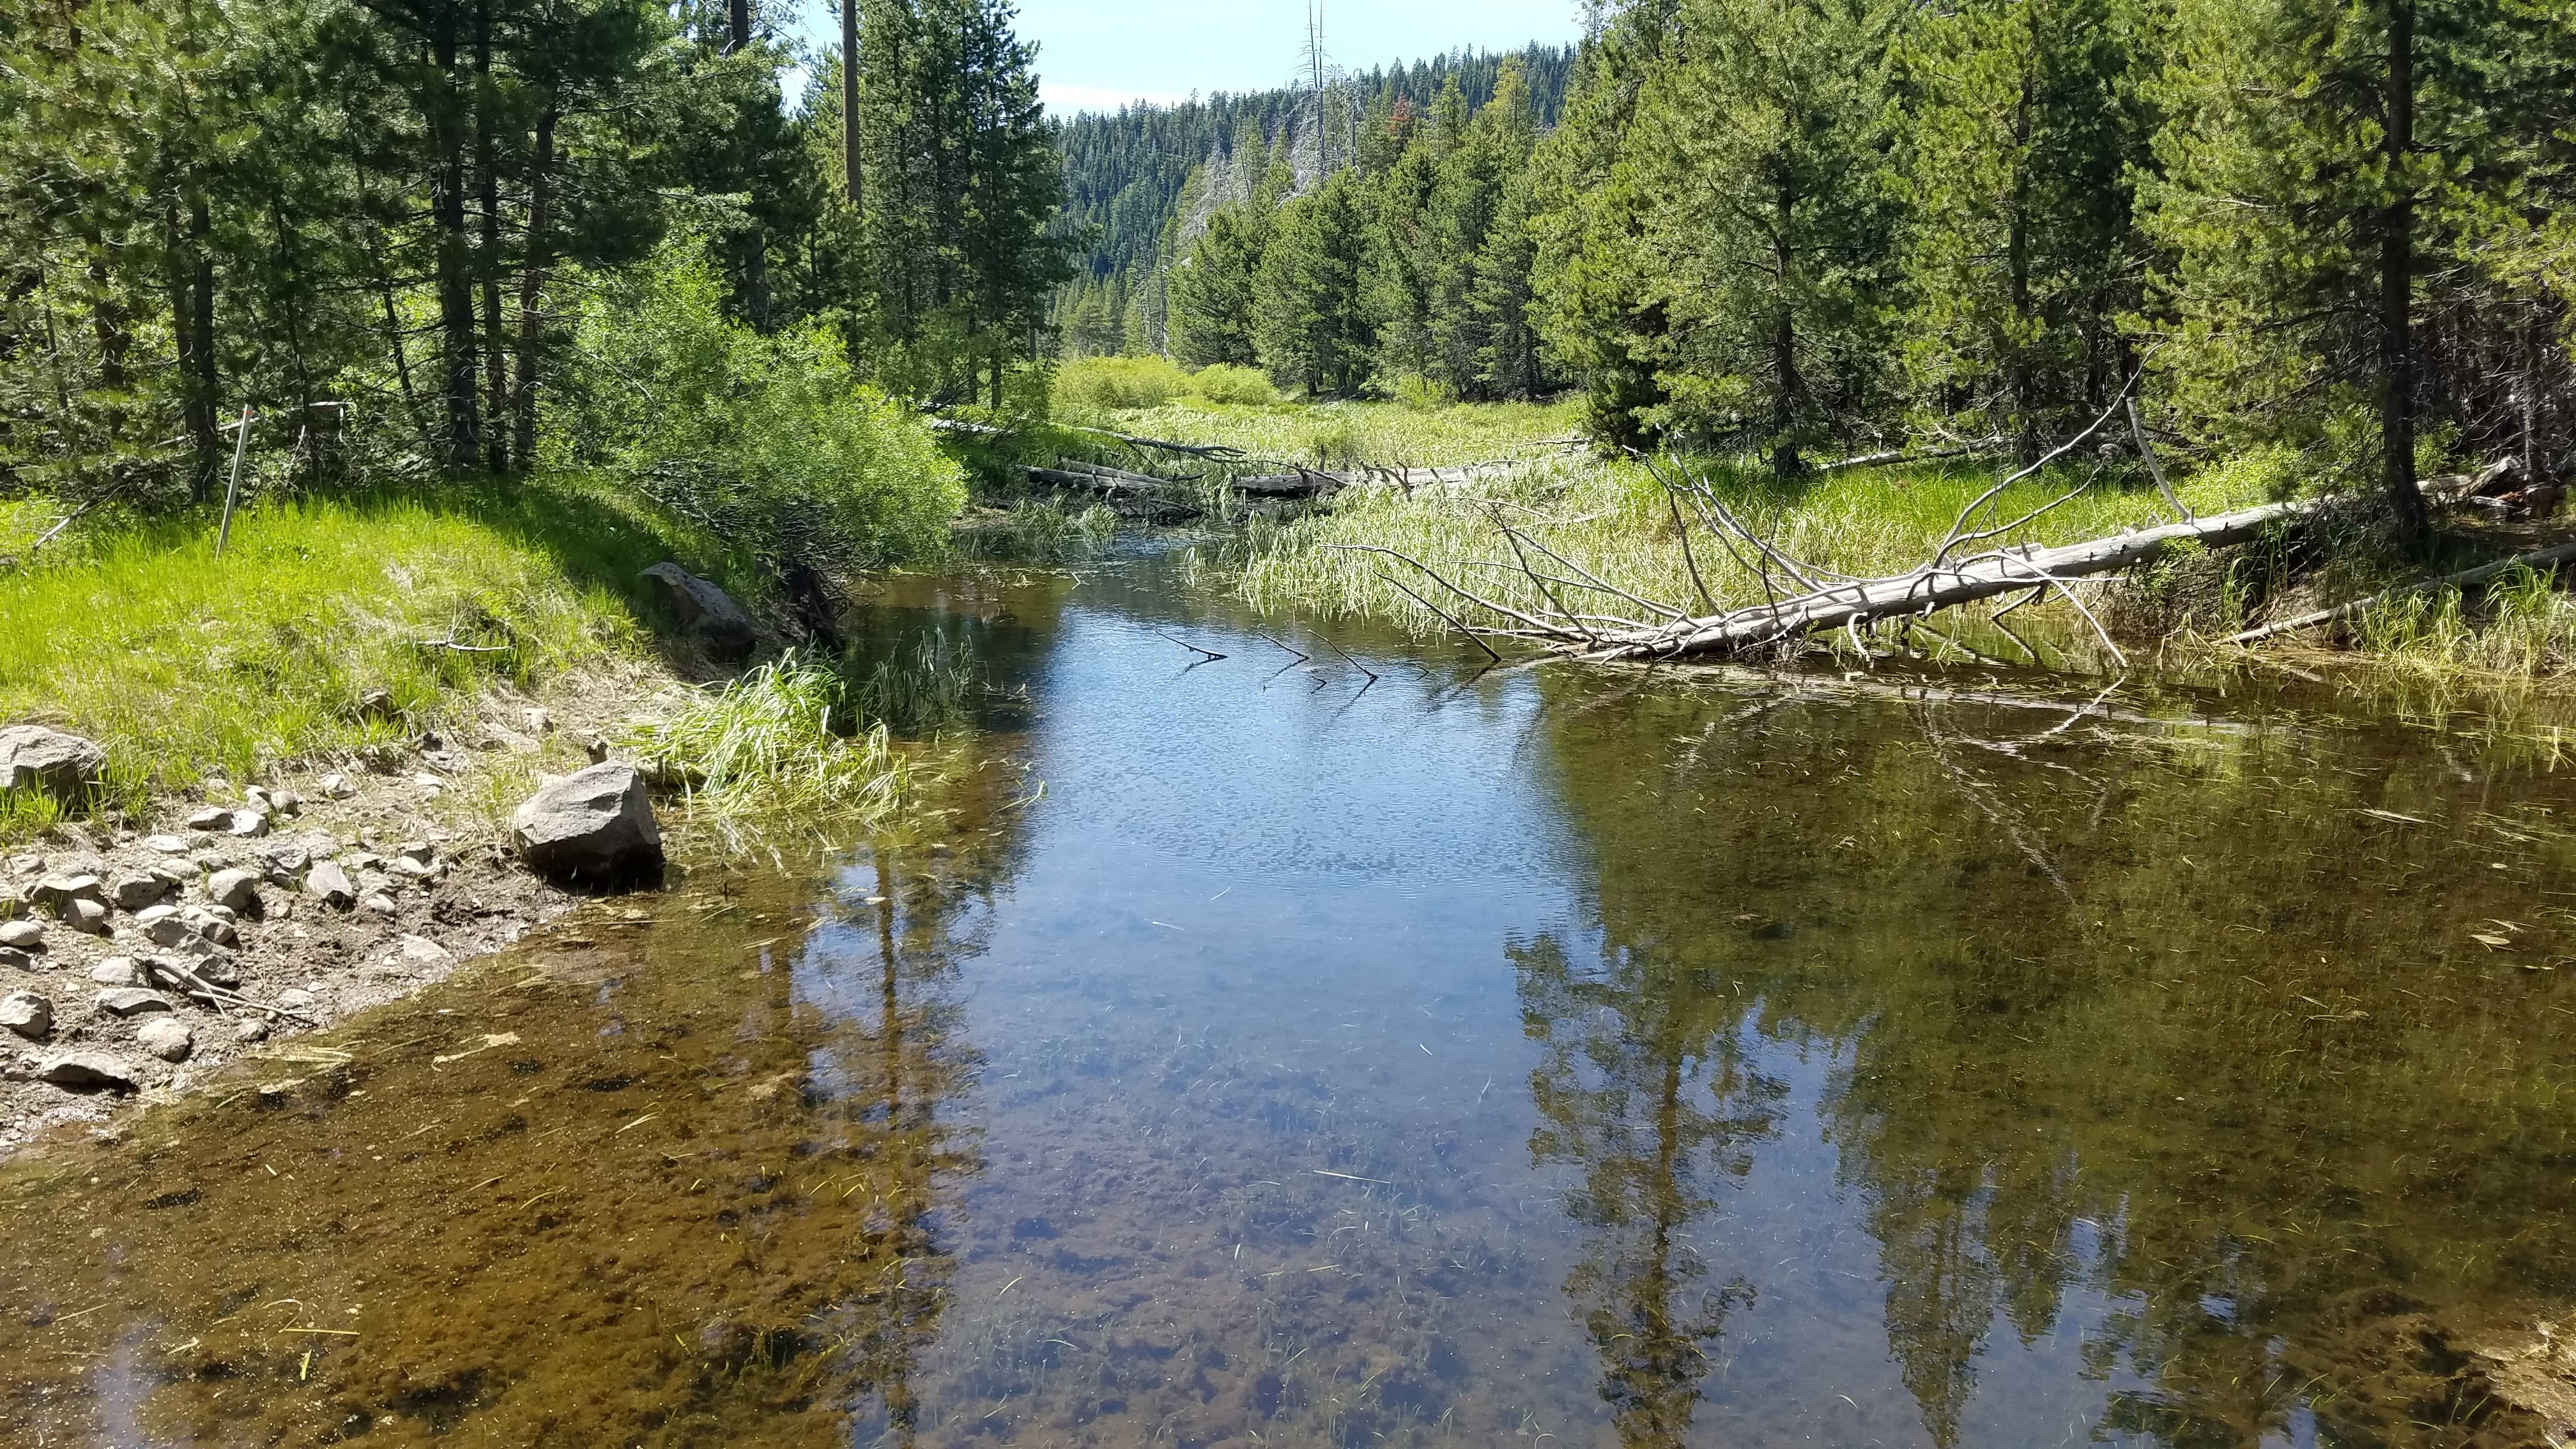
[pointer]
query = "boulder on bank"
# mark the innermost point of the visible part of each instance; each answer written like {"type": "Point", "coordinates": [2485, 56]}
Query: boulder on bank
{"type": "Point", "coordinates": [33, 757]}
{"type": "Point", "coordinates": [595, 827]}
{"type": "Point", "coordinates": [707, 612]}
{"type": "Point", "coordinates": [87, 1069]}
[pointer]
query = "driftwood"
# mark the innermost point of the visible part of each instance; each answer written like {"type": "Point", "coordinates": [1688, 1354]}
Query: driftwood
{"type": "Point", "coordinates": [1904, 455]}
{"type": "Point", "coordinates": [2466, 578]}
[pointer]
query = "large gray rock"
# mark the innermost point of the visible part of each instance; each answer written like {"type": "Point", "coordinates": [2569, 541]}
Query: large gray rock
{"type": "Point", "coordinates": [33, 757]}
{"type": "Point", "coordinates": [595, 827]}
{"type": "Point", "coordinates": [236, 889]}
{"type": "Point", "coordinates": [141, 890]}
{"type": "Point", "coordinates": [87, 1069]}
{"type": "Point", "coordinates": [56, 892]}
{"type": "Point", "coordinates": [707, 612]}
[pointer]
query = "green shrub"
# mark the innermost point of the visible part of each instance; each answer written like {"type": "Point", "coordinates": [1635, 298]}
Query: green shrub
{"type": "Point", "coordinates": [1120, 382]}
{"type": "Point", "coordinates": [1223, 382]}
{"type": "Point", "coordinates": [1423, 394]}
{"type": "Point", "coordinates": [771, 442]}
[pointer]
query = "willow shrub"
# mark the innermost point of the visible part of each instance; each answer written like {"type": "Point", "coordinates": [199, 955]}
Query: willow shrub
{"type": "Point", "coordinates": [771, 441]}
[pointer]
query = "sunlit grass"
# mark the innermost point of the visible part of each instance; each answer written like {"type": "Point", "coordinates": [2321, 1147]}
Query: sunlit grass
{"type": "Point", "coordinates": [185, 665]}
{"type": "Point", "coordinates": [778, 742]}
{"type": "Point", "coordinates": [1333, 435]}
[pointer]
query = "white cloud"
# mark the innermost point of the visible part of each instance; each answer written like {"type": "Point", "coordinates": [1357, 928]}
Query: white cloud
{"type": "Point", "coordinates": [1066, 100]}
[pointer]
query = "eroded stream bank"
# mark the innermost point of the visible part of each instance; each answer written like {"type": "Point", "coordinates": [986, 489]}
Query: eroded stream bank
{"type": "Point", "coordinates": [1438, 1058]}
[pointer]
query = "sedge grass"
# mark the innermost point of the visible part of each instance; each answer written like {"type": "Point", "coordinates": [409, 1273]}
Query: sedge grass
{"type": "Point", "coordinates": [772, 744]}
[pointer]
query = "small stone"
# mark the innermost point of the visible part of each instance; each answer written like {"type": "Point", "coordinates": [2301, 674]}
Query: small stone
{"type": "Point", "coordinates": [25, 935]}
{"type": "Point", "coordinates": [236, 890]}
{"type": "Point", "coordinates": [56, 892]}
{"type": "Point", "coordinates": [410, 869]}
{"type": "Point", "coordinates": [213, 818]}
{"type": "Point", "coordinates": [117, 971]}
{"type": "Point", "coordinates": [86, 916]}
{"type": "Point", "coordinates": [139, 891]}
{"type": "Point", "coordinates": [11, 956]}
{"type": "Point", "coordinates": [26, 864]}
{"type": "Point", "coordinates": [336, 787]}
{"type": "Point", "coordinates": [422, 951]}
{"type": "Point", "coordinates": [131, 1001]}
{"type": "Point", "coordinates": [376, 704]}
{"type": "Point", "coordinates": [33, 757]}
{"type": "Point", "coordinates": [27, 1014]}
{"type": "Point", "coordinates": [206, 926]}
{"type": "Point", "coordinates": [596, 747]}
{"type": "Point", "coordinates": [164, 926]}
{"type": "Point", "coordinates": [419, 850]}
{"type": "Point", "coordinates": [248, 823]}
{"type": "Point", "coordinates": [295, 998]}
{"type": "Point", "coordinates": [538, 720]}
{"type": "Point", "coordinates": [86, 1069]}
{"type": "Point", "coordinates": [216, 971]}
{"type": "Point", "coordinates": [250, 1029]}
{"type": "Point", "coordinates": [168, 1039]}
{"type": "Point", "coordinates": [166, 844]}
{"type": "Point", "coordinates": [329, 884]}
{"type": "Point", "coordinates": [285, 802]}
{"type": "Point", "coordinates": [285, 864]}
{"type": "Point", "coordinates": [381, 904]}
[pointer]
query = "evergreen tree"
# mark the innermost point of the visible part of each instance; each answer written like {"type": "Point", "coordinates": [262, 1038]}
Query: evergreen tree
{"type": "Point", "coordinates": [1309, 325]}
{"type": "Point", "coordinates": [1213, 287]}
{"type": "Point", "coordinates": [2019, 135]}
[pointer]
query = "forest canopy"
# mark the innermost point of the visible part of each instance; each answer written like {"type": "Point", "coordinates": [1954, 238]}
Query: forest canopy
{"type": "Point", "coordinates": [1797, 228]}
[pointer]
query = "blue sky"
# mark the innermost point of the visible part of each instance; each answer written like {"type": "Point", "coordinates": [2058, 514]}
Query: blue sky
{"type": "Point", "coordinates": [1093, 54]}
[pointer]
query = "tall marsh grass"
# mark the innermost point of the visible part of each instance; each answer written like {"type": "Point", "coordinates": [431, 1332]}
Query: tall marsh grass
{"type": "Point", "coordinates": [776, 742]}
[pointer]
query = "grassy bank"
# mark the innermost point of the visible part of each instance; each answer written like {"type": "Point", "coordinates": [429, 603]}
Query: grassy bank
{"type": "Point", "coordinates": [1613, 518]}
{"type": "Point", "coordinates": [187, 666]}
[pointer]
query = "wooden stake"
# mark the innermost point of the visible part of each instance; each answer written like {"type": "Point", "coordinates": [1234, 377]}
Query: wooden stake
{"type": "Point", "coordinates": [232, 490]}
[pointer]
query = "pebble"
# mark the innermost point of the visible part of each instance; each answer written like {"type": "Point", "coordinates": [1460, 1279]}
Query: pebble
{"type": "Point", "coordinates": [87, 916]}
{"type": "Point", "coordinates": [117, 971]}
{"type": "Point", "coordinates": [86, 1069]}
{"type": "Point", "coordinates": [248, 823]}
{"type": "Point", "coordinates": [236, 890]}
{"type": "Point", "coordinates": [214, 818]}
{"type": "Point", "coordinates": [131, 1001]}
{"type": "Point", "coordinates": [25, 935]}
{"type": "Point", "coordinates": [168, 1039]}
{"type": "Point", "coordinates": [295, 998]}
{"type": "Point", "coordinates": [538, 720]}
{"type": "Point", "coordinates": [166, 844]}
{"type": "Point", "coordinates": [26, 864]}
{"type": "Point", "coordinates": [425, 952]}
{"type": "Point", "coordinates": [380, 903]}
{"type": "Point", "coordinates": [250, 1029]}
{"type": "Point", "coordinates": [337, 787]}
{"type": "Point", "coordinates": [27, 1014]}
{"type": "Point", "coordinates": [328, 883]}
{"type": "Point", "coordinates": [136, 892]}
{"type": "Point", "coordinates": [12, 956]}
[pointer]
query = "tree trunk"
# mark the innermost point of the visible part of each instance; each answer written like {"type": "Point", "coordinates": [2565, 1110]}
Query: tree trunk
{"type": "Point", "coordinates": [1784, 346]}
{"type": "Point", "coordinates": [192, 321]}
{"type": "Point", "coordinates": [850, 99]}
{"type": "Point", "coordinates": [456, 319]}
{"type": "Point", "coordinates": [496, 364]}
{"type": "Point", "coordinates": [532, 279]}
{"type": "Point", "coordinates": [738, 26]}
{"type": "Point", "coordinates": [2397, 285]}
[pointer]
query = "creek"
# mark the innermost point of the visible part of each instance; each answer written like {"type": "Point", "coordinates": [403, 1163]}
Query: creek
{"type": "Point", "coordinates": [1257, 1052]}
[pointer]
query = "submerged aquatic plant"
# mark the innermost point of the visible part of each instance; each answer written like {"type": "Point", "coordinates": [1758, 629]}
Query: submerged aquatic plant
{"type": "Point", "coordinates": [781, 739]}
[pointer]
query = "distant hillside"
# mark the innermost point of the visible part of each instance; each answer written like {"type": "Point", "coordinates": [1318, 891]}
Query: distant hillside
{"type": "Point", "coordinates": [1125, 173]}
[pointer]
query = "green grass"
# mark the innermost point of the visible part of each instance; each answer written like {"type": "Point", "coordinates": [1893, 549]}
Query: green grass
{"type": "Point", "coordinates": [1614, 520]}
{"type": "Point", "coordinates": [779, 742]}
{"type": "Point", "coordinates": [185, 665]}
{"type": "Point", "coordinates": [1334, 434]}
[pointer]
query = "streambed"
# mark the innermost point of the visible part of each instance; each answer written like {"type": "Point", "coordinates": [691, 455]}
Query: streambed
{"type": "Point", "coordinates": [1265, 1053]}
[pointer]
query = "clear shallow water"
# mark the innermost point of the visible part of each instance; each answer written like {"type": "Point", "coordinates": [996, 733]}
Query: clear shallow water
{"type": "Point", "coordinates": [1535, 1055]}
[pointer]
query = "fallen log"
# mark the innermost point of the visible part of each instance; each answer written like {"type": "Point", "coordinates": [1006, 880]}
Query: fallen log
{"type": "Point", "coordinates": [2466, 578]}
{"type": "Point", "coordinates": [1937, 586]}
{"type": "Point", "coordinates": [1135, 500]}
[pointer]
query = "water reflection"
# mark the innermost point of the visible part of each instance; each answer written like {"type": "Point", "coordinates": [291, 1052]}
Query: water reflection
{"type": "Point", "coordinates": [2246, 1046]}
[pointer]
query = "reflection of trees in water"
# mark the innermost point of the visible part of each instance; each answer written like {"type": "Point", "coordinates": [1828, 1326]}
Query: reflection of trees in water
{"type": "Point", "coordinates": [2242, 1074]}
{"type": "Point", "coordinates": [1647, 1091]}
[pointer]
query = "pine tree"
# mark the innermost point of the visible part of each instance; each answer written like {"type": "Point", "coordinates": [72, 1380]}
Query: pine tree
{"type": "Point", "coordinates": [1309, 324]}
{"type": "Point", "coordinates": [2020, 130]}
{"type": "Point", "coordinates": [1213, 286]}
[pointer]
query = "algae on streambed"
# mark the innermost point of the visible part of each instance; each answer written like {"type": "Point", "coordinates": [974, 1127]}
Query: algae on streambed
{"type": "Point", "coordinates": [1431, 1058]}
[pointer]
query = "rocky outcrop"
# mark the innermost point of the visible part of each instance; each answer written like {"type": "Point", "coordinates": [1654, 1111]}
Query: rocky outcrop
{"type": "Point", "coordinates": [592, 828]}
{"type": "Point", "coordinates": [33, 757]}
{"type": "Point", "coordinates": [708, 613]}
